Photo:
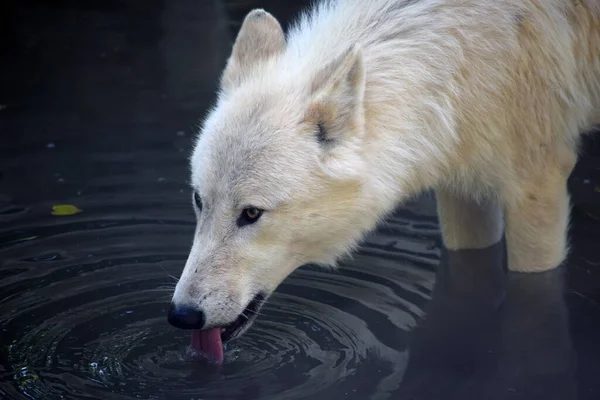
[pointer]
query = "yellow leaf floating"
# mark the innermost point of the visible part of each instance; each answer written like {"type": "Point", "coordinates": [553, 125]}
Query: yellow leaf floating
{"type": "Point", "coordinates": [64, 209]}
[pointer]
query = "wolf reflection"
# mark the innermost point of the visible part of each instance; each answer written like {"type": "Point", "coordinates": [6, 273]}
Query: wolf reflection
{"type": "Point", "coordinates": [491, 335]}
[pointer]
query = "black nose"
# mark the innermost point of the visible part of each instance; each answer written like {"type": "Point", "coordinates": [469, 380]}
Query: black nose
{"type": "Point", "coordinates": [186, 317]}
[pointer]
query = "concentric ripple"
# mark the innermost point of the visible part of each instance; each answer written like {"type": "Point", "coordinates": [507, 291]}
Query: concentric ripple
{"type": "Point", "coordinates": [84, 302]}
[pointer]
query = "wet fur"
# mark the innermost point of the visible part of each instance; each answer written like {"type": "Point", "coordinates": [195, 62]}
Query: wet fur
{"type": "Point", "coordinates": [365, 103]}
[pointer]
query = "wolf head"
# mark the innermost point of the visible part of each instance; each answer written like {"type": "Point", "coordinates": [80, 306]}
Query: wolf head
{"type": "Point", "coordinates": [277, 176]}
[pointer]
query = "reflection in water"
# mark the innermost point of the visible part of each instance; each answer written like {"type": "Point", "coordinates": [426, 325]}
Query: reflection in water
{"type": "Point", "coordinates": [492, 335]}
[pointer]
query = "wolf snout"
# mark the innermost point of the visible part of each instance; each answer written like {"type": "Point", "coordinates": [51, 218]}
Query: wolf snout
{"type": "Point", "coordinates": [186, 317]}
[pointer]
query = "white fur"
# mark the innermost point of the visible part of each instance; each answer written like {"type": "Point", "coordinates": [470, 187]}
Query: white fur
{"type": "Point", "coordinates": [483, 101]}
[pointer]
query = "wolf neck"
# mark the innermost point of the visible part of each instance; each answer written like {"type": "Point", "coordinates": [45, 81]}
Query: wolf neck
{"type": "Point", "coordinates": [395, 173]}
{"type": "Point", "coordinates": [409, 116]}
{"type": "Point", "coordinates": [410, 126]}
{"type": "Point", "coordinates": [407, 146]}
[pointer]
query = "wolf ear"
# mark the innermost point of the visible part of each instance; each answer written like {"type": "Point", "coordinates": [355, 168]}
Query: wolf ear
{"type": "Point", "coordinates": [337, 92]}
{"type": "Point", "coordinates": [260, 37]}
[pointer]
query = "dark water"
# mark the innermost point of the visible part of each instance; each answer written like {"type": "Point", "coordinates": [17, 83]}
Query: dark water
{"type": "Point", "coordinates": [85, 300]}
{"type": "Point", "coordinates": [100, 106]}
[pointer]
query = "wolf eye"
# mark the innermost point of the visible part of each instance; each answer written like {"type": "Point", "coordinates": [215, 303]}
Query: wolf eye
{"type": "Point", "coordinates": [198, 201]}
{"type": "Point", "coordinates": [249, 216]}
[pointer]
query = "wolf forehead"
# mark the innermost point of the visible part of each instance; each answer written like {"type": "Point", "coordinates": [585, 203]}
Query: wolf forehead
{"type": "Point", "coordinates": [254, 148]}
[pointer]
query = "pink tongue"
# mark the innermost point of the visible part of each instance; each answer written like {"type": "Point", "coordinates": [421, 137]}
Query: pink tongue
{"type": "Point", "coordinates": [208, 342]}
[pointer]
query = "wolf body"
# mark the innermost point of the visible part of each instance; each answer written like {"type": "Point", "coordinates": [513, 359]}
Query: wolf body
{"type": "Point", "coordinates": [318, 134]}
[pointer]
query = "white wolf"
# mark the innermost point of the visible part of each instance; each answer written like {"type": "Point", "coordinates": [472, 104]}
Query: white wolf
{"type": "Point", "coordinates": [318, 134]}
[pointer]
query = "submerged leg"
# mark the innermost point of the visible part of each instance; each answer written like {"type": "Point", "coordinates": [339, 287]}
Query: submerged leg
{"type": "Point", "coordinates": [467, 224]}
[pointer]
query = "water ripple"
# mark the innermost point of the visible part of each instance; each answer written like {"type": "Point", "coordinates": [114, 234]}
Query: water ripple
{"type": "Point", "coordinates": [85, 298]}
